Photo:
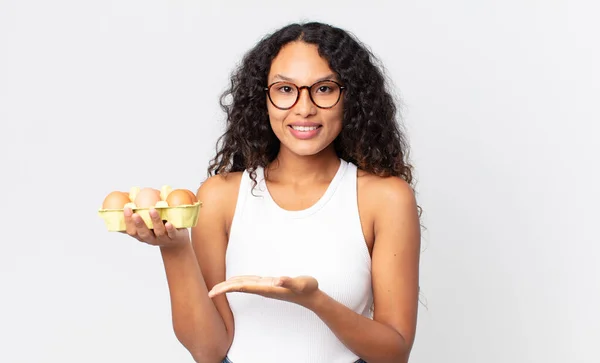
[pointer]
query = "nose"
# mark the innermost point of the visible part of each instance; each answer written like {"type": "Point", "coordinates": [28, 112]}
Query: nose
{"type": "Point", "coordinates": [305, 107]}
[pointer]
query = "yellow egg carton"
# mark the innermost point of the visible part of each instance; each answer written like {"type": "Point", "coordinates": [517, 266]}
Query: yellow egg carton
{"type": "Point", "coordinates": [184, 216]}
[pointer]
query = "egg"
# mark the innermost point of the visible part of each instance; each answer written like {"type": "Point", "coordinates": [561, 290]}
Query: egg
{"type": "Point", "coordinates": [147, 197]}
{"type": "Point", "coordinates": [192, 196]}
{"type": "Point", "coordinates": [115, 200]}
{"type": "Point", "coordinates": [179, 197]}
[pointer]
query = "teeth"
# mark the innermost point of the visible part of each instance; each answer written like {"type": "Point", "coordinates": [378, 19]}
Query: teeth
{"type": "Point", "coordinates": [304, 128]}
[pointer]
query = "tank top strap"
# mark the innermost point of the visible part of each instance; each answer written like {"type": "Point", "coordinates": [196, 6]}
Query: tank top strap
{"type": "Point", "coordinates": [348, 181]}
{"type": "Point", "coordinates": [243, 191]}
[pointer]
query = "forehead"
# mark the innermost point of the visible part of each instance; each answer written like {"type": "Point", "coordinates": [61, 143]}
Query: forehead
{"type": "Point", "coordinates": [301, 62]}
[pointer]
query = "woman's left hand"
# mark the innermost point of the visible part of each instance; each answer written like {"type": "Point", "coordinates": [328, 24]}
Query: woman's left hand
{"type": "Point", "coordinates": [301, 290]}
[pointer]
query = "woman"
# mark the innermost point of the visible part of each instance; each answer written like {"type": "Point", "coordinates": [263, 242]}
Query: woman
{"type": "Point", "coordinates": [307, 245]}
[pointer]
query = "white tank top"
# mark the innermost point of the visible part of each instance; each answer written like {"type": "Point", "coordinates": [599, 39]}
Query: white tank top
{"type": "Point", "coordinates": [324, 241]}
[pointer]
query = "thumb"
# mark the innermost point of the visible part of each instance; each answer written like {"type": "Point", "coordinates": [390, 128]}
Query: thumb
{"type": "Point", "coordinates": [299, 284]}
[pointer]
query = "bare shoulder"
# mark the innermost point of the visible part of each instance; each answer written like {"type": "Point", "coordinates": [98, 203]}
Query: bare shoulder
{"type": "Point", "coordinates": [218, 195]}
{"type": "Point", "coordinates": [381, 201]}
{"type": "Point", "coordinates": [385, 197]}
{"type": "Point", "coordinates": [219, 186]}
{"type": "Point", "coordinates": [385, 190]}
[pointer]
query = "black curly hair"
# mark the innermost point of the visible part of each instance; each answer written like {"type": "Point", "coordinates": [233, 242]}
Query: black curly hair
{"type": "Point", "coordinates": [370, 136]}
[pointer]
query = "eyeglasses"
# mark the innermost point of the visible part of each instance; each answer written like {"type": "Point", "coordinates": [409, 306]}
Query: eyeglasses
{"type": "Point", "coordinates": [285, 95]}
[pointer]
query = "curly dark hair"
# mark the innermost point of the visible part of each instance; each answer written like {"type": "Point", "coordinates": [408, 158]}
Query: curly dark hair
{"type": "Point", "coordinates": [370, 136]}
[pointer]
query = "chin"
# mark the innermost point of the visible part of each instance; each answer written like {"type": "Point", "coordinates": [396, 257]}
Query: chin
{"type": "Point", "coordinates": [306, 153]}
{"type": "Point", "coordinates": [306, 150]}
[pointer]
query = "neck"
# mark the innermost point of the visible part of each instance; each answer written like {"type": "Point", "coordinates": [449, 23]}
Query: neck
{"type": "Point", "coordinates": [299, 169]}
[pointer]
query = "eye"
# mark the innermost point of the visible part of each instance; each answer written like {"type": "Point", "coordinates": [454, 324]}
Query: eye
{"type": "Point", "coordinates": [285, 88]}
{"type": "Point", "coordinates": [326, 87]}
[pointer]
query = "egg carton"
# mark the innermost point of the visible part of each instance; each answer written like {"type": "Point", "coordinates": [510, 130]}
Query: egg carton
{"type": "Point", "coordinates": [183, 216]}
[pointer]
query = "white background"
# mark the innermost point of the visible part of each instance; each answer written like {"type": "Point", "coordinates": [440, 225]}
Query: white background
{"type": "Point", "coordinates": [501, 104]}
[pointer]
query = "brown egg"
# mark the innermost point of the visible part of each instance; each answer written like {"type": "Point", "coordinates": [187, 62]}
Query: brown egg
{"type": "Point", "coordinates": [115, 200]}
{"type": "Point", "coordinates": [179, 197]}
{"type": "Point", "coordinates": [147, 198]}
{"type": "Point", "coordinates": [192, 196]}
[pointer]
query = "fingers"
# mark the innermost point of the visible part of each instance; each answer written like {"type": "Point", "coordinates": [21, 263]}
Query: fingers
{"type": "Point", "coordinates": [170, 230]}
{"type": "Point", "coordinates": [157, 224]}
{"type": "Point", "coordinates": [129, 224]}
{"type": "Point", "coordinates": [136, 227]}
{"type": "Point", "coordinates": [162, 233]}
{"type": "Point", "coordinates": [225, 286]}
{"type": "Point", "coordinates": [242, 284]}
{"type": "Point", "coordinates": [142, 230]}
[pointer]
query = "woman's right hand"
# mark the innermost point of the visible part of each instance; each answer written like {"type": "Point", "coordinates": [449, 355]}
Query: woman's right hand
{"type": "Point", "coordinates": [162, 234]}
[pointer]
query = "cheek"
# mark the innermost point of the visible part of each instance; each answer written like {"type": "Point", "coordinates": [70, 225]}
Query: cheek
{"type": "Point", "coordinates": [276, 118]}
{"type": "Point", "coordinates": [335, 119]}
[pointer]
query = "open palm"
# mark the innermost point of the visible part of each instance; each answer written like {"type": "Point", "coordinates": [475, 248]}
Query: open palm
{"type": "Point", "coordinates": [293, 289]}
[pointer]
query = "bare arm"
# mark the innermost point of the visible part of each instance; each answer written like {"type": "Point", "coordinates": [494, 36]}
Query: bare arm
{"type": "Point", "coordinates": [196, 322]}
{"type": "Point", "coordinates": [390, 335]}
{"type": "Point", "coordinates": [204, 326]}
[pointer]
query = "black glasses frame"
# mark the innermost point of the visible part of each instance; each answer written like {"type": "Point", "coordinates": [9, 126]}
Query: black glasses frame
{"type": "Point", "coordinates": [309, 89]}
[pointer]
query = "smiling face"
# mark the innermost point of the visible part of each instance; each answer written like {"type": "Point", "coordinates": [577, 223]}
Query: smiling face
{"type": "Point", "coordinates": [304, 129]}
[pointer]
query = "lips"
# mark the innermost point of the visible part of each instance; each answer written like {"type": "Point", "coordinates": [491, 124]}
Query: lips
{"type": "Point", "coordinates": [304, 130]}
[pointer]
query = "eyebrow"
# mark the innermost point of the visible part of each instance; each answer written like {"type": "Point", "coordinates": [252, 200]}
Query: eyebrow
{"type": "Point", "coordinates": [287, 79]}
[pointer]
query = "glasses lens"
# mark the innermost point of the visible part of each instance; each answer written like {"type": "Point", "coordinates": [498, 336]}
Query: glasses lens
{"type": "Point", "coordinates": [325, 94]}
{"type": "Point", "coordinates": [283, 94]}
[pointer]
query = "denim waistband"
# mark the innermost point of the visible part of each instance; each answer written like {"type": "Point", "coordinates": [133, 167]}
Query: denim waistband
{"type": "Point", "coordinates": [226, 360]}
